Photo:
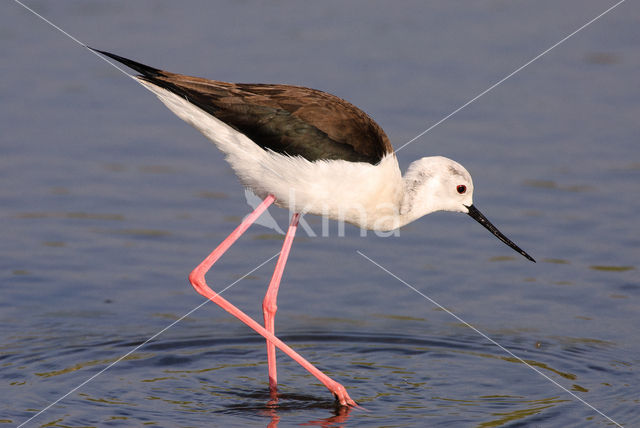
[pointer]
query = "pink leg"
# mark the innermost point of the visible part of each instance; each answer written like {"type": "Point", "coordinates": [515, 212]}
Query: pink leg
{"type": "Point", "coordinates": [269, 306]}
{"type": "Point", "coordinates": [197, 280]}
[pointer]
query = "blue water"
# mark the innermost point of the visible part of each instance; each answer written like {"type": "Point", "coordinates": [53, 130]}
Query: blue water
{"type": "Point", "coordinates": [107, 202]}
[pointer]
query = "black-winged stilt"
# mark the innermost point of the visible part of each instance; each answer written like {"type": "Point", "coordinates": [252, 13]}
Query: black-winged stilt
{"type": "Point", "coordinates": [314, 153]}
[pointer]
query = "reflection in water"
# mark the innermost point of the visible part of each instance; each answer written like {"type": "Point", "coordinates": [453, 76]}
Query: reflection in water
{"type": "Point", "coordinates": [612, 268]}
{"type": "Point", "coordinates": [500, 405]}
{"type": "Point", "coordinates": [533, 408]}
{"type": "Point", "coordinates": [416, 376]}
{"type": "Point", "coordinates": [92, 363]}
{"type": "Point", "coordinates": [341, 415]}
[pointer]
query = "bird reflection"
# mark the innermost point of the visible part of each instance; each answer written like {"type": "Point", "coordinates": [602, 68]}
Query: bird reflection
{"type": "Point", "coordinates": [340, 416]}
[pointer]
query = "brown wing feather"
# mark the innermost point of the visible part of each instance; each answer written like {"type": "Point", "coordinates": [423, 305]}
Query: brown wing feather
{"type": "Point", "coordinates": [287, 119]}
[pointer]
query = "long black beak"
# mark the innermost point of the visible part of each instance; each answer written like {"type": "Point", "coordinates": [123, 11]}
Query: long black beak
{"type": "Point", "coordinates": [480, 218]}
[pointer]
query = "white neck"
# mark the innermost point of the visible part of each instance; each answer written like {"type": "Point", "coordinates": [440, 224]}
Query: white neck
{"type": "Point", "coordinates": [425, 188]}
{"type": "Point", "coordinates": [374, 197]}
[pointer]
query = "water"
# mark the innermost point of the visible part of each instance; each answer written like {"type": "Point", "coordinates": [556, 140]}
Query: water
{"type": "Point", "coordinates": [108, 202]}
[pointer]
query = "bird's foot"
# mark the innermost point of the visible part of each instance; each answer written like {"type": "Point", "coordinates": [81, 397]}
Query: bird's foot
{"type": "Point", "coordinates": [340, 393]}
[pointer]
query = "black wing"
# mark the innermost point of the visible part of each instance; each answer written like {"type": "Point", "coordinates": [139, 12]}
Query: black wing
{"type": "Point", "coordinates": [291, 120]}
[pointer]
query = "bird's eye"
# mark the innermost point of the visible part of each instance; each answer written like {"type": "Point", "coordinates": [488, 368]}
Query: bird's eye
{"type": "Point", "coordinates": [461, 188]}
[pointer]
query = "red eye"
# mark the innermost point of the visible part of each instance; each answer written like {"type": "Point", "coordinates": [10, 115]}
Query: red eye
{"type": "Point", "coordinates": [461, 188]}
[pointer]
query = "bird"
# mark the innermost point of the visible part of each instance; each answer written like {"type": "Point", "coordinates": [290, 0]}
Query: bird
{"type": "Point", "coordinates": [313, 153]}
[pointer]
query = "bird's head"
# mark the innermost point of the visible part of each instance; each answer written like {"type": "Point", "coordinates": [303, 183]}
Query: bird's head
{"type": "Point", "coordinates": [437, 183]}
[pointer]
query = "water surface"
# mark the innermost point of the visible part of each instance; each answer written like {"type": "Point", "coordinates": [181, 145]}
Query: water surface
{"type": "Point", "coordinates": [108, 201]}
